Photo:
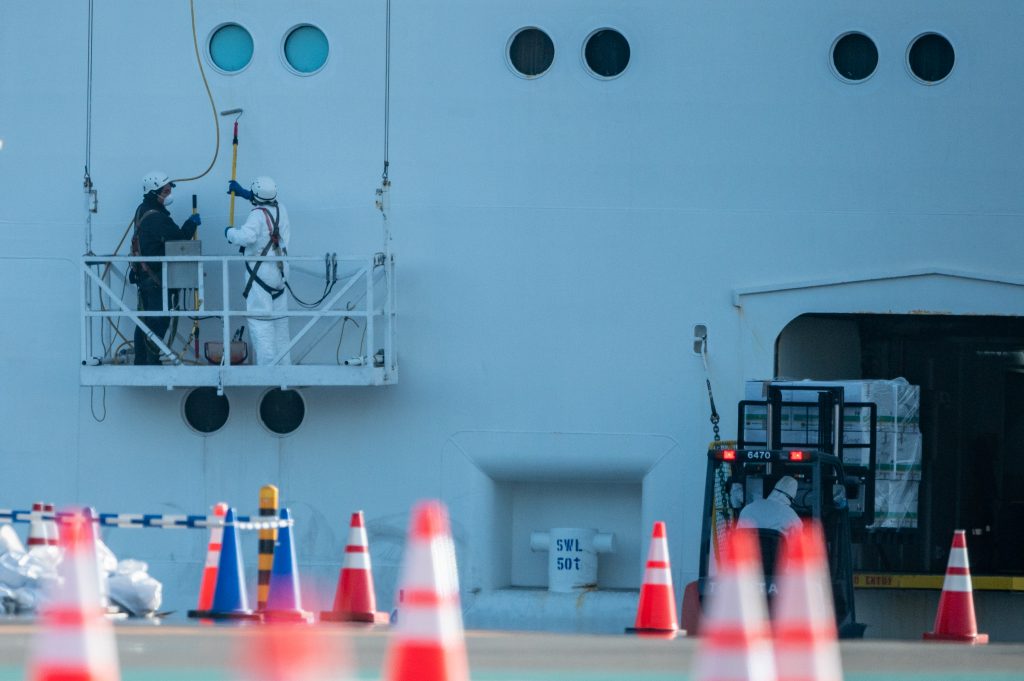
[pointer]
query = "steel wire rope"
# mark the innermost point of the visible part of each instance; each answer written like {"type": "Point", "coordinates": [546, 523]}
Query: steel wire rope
{"type": "Point", "coordinates": [387, 88]}
{"type": "Point", "coordinates": [87, 180]}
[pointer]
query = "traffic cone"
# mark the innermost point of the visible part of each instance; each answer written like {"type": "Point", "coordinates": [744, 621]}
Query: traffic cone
{"type": "Point", "coordinates": [735, 639]}
{"type": "Point", "coordinates": [354, 600]}
{"type": "Point", "coordinates": [428, 643]}
{"type": "Point", "coordinates": [50, 525]}
{"type": "Point", "coordinates": [284, 600]}
{"type": "Point", "coordinates": [656, 610]}
{"type": "Point", "coordinates": [278, 652]}
{"type": "Point", "coordinates": [229, 597]}
{"type": "Point", "coordinates": [803, 619]}
{"type": "Point", "coordinates": [955, 620]}
{"type": "Point", "coordinates": [209, 581]}
{"type": "Point", "coordinates": [36, 528]}
{"type": "Point", "coordinates": [74, 641]}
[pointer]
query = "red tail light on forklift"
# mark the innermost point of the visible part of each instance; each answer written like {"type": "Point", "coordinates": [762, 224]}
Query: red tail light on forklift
{"type": "Point", "coordinates": [796, 455]}
{"type": "Point", "coordinates": [728, 455]}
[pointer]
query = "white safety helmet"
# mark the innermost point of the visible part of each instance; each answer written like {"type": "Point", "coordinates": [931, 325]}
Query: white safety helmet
{"type": "Point", "coordinates": [155, 181]}
{"type": "Point", "coordinates": [263, 189]}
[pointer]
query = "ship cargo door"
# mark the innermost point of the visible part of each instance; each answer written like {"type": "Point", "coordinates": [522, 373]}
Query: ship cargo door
{"type": "Point", "coordinates": [971, 373]}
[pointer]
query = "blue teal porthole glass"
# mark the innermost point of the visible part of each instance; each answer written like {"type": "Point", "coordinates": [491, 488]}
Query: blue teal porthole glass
{"type": "Point", "coordinates": [231, 48]}
{"type": "Point", "coordinates": [306, 49]}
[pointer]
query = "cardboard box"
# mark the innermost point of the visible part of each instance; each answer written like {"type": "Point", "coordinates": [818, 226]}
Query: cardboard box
{"type": "Point", "coordinates": [896, 504]}
{"type": "Point", "coordinates": [898, 456]}
{"type": "Point", "coordinates": [898, 402]}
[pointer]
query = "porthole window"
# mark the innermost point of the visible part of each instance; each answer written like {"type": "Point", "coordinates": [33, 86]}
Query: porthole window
{"type": "Point", "coordinates": [282, 411]}
{"type": "Point", "coordinates": [230, 48]}
{"type": "Point", "coordinates": [531, 52]}
{"type": "Point", "coordinates": [931, 58]}
{"type": "Point", "coordinates": [854, 57]}
{"type": "Point", "coordinates": [205, 411]}
{"type": "Point", "coordinates": [606, 53]}
{"type": "Point", "coordinates": [305, 49]}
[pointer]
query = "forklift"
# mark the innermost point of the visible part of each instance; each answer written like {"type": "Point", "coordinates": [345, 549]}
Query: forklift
{"type": "Point", "coordinates": [799, 431]}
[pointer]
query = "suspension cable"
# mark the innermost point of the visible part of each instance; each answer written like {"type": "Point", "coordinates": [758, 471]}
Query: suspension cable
{"type": "Point", "coordinates": [387, 88]}
{"type": "Point", "coordinates": [87, 179]}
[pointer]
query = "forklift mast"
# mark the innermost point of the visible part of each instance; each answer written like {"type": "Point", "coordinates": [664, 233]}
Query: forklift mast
{"type": "Point", "coordinates": [799, 431]}
{"type": "Point", "coordinates": [815, 417]}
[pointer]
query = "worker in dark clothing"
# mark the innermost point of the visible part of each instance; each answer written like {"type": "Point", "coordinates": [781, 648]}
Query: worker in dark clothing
{"type": "Point", "coordinates": [154, 227]}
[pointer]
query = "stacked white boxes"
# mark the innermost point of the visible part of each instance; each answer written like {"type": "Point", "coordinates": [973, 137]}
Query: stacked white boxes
{"type": "Point", "coordinates": [898, 436]}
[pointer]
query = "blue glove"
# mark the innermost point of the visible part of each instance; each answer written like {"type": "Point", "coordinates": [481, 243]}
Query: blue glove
{"type": "Point", "coordinates": [240, 191]}
{"type": "Point", "coordinates": [194, 218]}
{"type": "Point", "coordinates": [226, 232]}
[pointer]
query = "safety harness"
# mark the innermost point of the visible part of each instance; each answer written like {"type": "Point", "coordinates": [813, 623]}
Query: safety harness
{"type": "Point", "coordinates": [138, 268]}
{"type": "Point", "coordinates": [273, 242]}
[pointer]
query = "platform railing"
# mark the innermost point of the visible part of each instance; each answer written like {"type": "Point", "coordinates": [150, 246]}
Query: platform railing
{"type": "Point", "coordinates": [356, 288]}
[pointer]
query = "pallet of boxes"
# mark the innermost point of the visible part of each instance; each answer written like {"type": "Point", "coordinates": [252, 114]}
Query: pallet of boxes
{"type": "Point", "coordinates": [898, 437]}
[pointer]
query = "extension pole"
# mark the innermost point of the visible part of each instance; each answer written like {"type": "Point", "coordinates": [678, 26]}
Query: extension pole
{"type": "Point", "coordinates": [237, 113]}
{"type": "Point", "coordinates": [234, 169]}
{"type": "Point", "coordinates": [195, 323]}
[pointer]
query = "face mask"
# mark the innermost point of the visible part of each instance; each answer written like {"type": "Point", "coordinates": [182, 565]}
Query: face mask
{"type": "Point", "coordinates": [168, 200]}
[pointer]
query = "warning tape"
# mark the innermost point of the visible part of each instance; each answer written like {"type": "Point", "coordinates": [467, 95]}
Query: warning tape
{"type": "Point", "coordinates": [160, 520]}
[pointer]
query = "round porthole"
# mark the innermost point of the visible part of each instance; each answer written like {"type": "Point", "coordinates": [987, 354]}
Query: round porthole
{"type": "Point", "coordinates": [930, 58]}
{"type": "Point", "coordinates": [205, 411]}
{"type": "Point", "coordinates": [305, 49]}
{"type": "Point", "coordinates": [282, 411]}
{"type": "Point", "coordinates": [606, 53]}
{"type": "Point", "coordinates": [854, 57]}
{"type": "Point", "coordinates": [531, 52]}
{"type": "Point", "coordinates": [230, 48]}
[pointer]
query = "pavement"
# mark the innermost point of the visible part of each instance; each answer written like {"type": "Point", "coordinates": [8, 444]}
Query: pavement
{"type": "Point", "coordinates": [194, 652]}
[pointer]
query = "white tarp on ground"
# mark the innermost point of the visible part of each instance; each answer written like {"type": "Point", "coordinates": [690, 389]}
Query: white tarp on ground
{"type": "Point", "coordinates": [26, 578]}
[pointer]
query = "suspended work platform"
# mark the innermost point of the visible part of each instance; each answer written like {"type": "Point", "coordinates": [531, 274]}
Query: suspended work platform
{"type": "Point", "coordinates": [342, 329]}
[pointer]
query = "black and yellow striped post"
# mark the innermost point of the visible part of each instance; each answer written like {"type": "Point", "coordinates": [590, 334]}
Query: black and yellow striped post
{"type": "Point", "coordinates": [268, 509]}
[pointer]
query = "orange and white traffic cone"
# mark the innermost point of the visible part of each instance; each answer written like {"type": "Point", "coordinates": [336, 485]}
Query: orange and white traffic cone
{"type": "Point", "coordinates": [955, 621]}
{"type": "Point", "coordinates": [355, 600]}
{"type": "Point", "coordinates": [735, 638]}
{"type": "Point", "coordinates": [283, 652]}
{"type": "Point", "coordinates": [209, 581]}
{"type": "Point", "coordinates": [803, 619]}
{"type": "Point", "coordinates": [428, 643]}
{"type": "Point", "coordinates": [74, 641]}
{"type": "Point", "coordinates": [656, 610]}
{"type": "Point", "coordinates": [36, 528]}
{"type": "Point", "coordinates": [50, 523]}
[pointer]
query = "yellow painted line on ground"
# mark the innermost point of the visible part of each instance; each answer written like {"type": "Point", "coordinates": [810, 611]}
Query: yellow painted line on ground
{"type": "Point", "coordinates": [882, 580]}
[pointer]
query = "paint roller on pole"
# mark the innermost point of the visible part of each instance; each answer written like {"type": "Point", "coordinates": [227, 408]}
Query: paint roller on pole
{"type": "Point", "coordinates": [237, 113]}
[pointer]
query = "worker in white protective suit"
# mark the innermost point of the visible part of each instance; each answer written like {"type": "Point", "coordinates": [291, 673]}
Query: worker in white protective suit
{"type": "Point", "coordinates": [775, 511]}
{"type": "Point", "coordinates": [266, 232]}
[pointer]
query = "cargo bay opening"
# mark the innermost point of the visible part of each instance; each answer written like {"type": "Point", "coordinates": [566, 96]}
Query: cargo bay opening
{"type": "Point", "coordinates": [970, 370]}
